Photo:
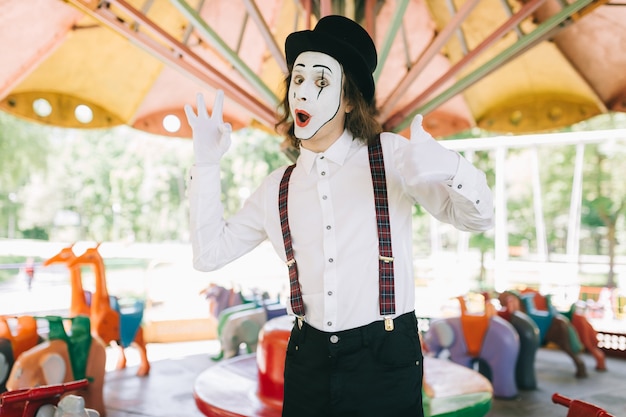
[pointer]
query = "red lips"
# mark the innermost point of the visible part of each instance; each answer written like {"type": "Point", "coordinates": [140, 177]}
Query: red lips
{"type": "Point", "coordinates": [302, 118]}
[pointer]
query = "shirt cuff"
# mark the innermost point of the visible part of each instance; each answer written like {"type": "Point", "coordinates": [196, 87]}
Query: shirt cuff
{"type": "Point", "coordinates": [469, 183]}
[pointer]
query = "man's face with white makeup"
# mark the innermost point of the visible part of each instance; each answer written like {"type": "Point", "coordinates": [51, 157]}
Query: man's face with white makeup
{"type": "Point", "coordinates": [315, 97]}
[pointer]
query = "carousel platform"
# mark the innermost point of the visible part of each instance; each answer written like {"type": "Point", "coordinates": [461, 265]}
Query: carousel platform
{"type": "Point", "coordinates": [177, 367]}
{"type": "Point", "coordinates": [252, 385]}
{"type": "Point", "coordinates": [230, 389]}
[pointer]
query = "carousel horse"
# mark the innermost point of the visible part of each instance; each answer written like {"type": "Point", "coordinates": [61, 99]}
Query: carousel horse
{"type": "Point", "coordinates": [483, 340]}
{"type": "Point", "coordinates": [528, 333]}
{"type": "Point", "coordinates": [553, 327]}
{"type": "Point", "coordinates": [587, 334]}
{"type": "Point", "coordinates": [240, 324]}
{"type": "Point", "coordinates": [109, 321]}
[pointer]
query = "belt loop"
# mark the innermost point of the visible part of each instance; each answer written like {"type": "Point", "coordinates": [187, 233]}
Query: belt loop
{"type": "Point", "coordinates": [365, 335]}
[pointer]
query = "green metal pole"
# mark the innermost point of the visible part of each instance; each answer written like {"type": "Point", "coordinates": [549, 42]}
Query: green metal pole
{"type": "Point", "coordinates": [221, 46]}
{"type": "Point", "coordinates": [503, 57]}
{"type": "Point", "coordinates": [396, 22]}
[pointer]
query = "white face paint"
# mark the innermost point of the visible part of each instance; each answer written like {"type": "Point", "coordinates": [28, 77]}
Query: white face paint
{"type": "Point", "coordinates": [315, 96]}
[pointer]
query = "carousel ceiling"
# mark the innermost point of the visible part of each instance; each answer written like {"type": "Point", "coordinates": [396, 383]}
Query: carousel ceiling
{"type": "Point", "coordinates": [507, 66]}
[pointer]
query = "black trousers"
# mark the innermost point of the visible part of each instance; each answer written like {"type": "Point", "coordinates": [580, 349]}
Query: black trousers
{"type": "Point", "coordinates": [360, 372]}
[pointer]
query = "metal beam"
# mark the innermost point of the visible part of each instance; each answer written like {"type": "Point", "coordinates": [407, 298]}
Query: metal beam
{"type": "Point", "coordinates": [424, 59]}
{"type": "Point", "coordinates": [216, 41]}
{"type": "Point", "coordinates": [501, 220]}
{"type": "Point", "coordinates": [554, 24]}
{"type": "Point", "coordinates": [459, 32]}
{"type": "Point", "coordinates": [575, 207]}
{"type": "Point", "coordinates": [172, 52]}
{"type": "Point", "coordinates": [392, 32]}
{"type": "Point", "coordinates": [269, 39]}
{"type": "Point", "coordinates": [526, 141]}
{"type": "Point", "coordinates": [540, 224]}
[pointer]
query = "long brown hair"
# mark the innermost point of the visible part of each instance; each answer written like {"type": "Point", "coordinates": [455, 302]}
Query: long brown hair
{"type": "Point", "coordinates": [361, 121]}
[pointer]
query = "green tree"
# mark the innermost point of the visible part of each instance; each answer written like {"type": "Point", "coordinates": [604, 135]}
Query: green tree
{"type": "Point", "coordinates": [253, 155]}
{"type": "Point", "coordinates": [121, 184]}
{"type": "Point", "coordinates": [556, 170]}
{"type": "Point", "coordinates": [604, 191]}
{"type": "Point", "coordinates": [603, 194]}
{"type": "Point", "coordinates": [23, 151]}
{"type": "Point", "coordinates": [484, 243]}
{"type": "Point", "coordinates": [604, 203]}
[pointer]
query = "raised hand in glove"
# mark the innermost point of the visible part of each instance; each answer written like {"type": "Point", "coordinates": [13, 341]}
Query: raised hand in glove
{"type": "Point", "coordinates": [211, 136]}
{"type": "Point", "coordinates": [426, 160]}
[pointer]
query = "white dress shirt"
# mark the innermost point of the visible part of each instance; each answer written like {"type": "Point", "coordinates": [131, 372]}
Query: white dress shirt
{"type": "Point", "coordinates": [333, 225]}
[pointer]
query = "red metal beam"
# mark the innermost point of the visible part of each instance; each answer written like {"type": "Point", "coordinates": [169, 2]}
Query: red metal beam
{"type": "Point", "coordinates": [175, 54]}
{"type": "Point", "coordinates": [523, 13]}
{"type": "Point", "coordinates": [424, 59]}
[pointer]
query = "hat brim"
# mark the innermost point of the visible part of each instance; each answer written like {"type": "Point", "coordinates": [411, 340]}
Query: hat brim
{"type": "Point", "coordinates": [351, 61]}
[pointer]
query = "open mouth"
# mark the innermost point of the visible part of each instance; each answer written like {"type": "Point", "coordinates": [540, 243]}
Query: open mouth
{"type": "Point", "coordinates": [302, 118]}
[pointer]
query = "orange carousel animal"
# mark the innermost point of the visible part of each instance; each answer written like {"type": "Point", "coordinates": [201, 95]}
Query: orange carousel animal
{"type": "Point", "coordinates": [63, 358]}
{"type": "Point", "coordinates": [25, 335]}
{"type": "Point", "coordinates": [15, 342]}
{"type": "Point", "coordinates": [106, 321]}
{"type": "Point", "coordinates": [79, 306]}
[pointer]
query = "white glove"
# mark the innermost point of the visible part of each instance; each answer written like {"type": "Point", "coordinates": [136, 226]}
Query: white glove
{"type": "Point", "coordinates": [427, 160]}
{"type": "Point", "coordinates": [211, 136]}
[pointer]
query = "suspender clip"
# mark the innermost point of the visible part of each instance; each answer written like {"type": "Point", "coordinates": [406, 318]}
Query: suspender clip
{"type": "Point", "coordinates": [290, 262]}
{"type": "Point", "coordinates": [388, 324]}
{"type": "Point", "coordinates": [385, 259]}
{"type": "Point", "coordinates": [300, 321]}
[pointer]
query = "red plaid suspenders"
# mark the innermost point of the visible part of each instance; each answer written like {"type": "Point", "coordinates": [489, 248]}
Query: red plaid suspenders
{"type": "Point", "coordinates": [387, 302]}
{"type": "Point", "coordinates": [386, 289]}
{"type": "Point", "coordinates": [294, 285]}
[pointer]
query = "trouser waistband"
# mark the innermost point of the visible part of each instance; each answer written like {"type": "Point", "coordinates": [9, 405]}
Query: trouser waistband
{"type": "Point", "coordinates": [404, 322]}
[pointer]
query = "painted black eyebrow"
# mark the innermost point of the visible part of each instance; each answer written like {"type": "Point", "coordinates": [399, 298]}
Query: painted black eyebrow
{"type": "Point", "coordinates": [315, 66]}
{"type": "Point", "coordinates": [322, 66]}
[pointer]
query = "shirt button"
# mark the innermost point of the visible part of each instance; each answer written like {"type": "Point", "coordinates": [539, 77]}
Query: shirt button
{"type": "Point", "coordinates": [330, 293]}
{"type": "Point", "coordinates": [324, 197]}
{"type": "Point", "coordinates": [331, 260]}
{"type": "Point", "coordinates": [334, 338]}
{"type": "Point", "coordinates": [329, 323]}
{"type": "Point", "coordinates": [323, 173]}
{"type": "Point", "coordinates": [477, 201]}
{"type": "Point", "coordinates": [322, 157]}
{"type": "Point", "coordinates": [328, 227]}
{"type": "Point", "coordinates": [459, 186]}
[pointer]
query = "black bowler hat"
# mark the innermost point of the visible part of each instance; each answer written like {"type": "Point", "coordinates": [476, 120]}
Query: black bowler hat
{"type": "Point", "coordinates": [343, 39]}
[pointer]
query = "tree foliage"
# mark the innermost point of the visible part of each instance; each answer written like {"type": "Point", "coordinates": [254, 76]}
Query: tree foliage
{"type": "Point", "coordinates": [121, 184]}
{"type": "Point", "coordinates": [117, 184]}
{"type": "Point", "coordinates": [23, 153]}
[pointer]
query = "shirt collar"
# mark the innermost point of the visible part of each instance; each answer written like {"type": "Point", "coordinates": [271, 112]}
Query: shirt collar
{"type": "Point", "coordinates": [336, 153]}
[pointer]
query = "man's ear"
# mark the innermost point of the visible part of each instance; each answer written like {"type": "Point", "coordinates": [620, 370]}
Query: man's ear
{"type": "Point", "coordinates": [349, 106]}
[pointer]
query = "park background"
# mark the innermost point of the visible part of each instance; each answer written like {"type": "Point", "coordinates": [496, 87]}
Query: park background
{"type": "Point", "coordinates": [126, 190]}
